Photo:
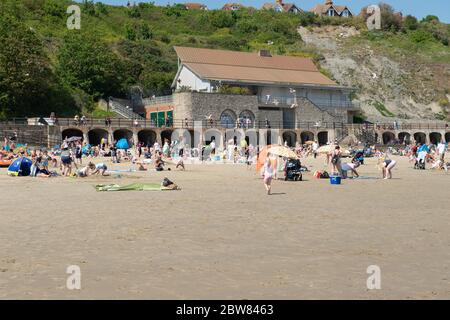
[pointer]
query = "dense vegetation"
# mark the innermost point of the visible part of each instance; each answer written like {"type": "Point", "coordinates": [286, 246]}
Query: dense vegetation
{"type": "Point", "coordinates": [45, 67]}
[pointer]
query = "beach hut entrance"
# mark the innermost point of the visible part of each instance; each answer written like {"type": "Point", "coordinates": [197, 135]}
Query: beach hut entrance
{"type": "Point", "coordinates": [435, 138]}
{"type": "Point", "coordinates": [323, 137]}
{"type": "Point", "coordinates": [69, 133]}
{"type": "Point", "coordinates": [420, 137]}
{"type": "Point", "coordinates": [96, 136]}
{"type": "Point", "coordinates": [306, 136]}
{"type": "Point", "coordinates": [147, 137]}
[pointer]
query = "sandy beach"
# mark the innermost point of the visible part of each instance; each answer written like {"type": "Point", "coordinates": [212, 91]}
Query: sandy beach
{"type": "Point", "coordinates": [222, 237]}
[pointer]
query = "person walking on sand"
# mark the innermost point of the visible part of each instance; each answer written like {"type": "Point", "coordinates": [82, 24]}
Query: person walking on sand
{"type": "Point", "coordinates": [268, 176]}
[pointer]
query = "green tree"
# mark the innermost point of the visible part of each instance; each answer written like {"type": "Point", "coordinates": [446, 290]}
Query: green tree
{"type": "Point", "coordinates": [410, 23]}
{"type": "Point", "coordinates": [27, 85]}
{"type": "Point", "coordinates": [87, 63]}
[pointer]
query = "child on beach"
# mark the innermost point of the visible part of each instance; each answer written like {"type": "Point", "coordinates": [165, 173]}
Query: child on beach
{"type": "Point", "coordinates": [268, 176]}
{"type": "Point", "coordinates": [386, 166]}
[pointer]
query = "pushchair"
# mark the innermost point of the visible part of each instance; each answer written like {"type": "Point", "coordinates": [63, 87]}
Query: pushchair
{"type": "Point", "coordinates": [419, 164]}
{"type": "Point", "coordinates": [293, 170]}
{"type": "Point", "coordinates": [358, 157]}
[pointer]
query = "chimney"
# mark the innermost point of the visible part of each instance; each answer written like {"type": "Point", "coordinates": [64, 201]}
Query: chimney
{"type": "Point", "coordinates": [329, 2]}
{"type": "Point", "coordinates": [265, 53]}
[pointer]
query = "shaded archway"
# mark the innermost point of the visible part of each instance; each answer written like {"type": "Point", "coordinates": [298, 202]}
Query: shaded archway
{"type": "Point", "coordinates": [323, 137]}
{"type": "Point", "coordinates": [147, 137]}
{"type": "Point", "coordinates": [435, 138]}
{"type": "Point", "coordinates": [123, 134]}
{"type": "Point", "coordinates": [166, 135]}
{"type": "Point", "coordinates": [290, 138]}
{"type": "Point", "coordinates": [71, 132]}
{"type": "Point", "coordinates": [96, 136]}
{"type": "Point", "coordinates": [388, 137]}
{"type": "Point", "coordinates": [447, 137]}
{"type": "Point", "coordinates": [214, 135]}
{"type": "Point", "coordinates": [404, 137]}
{"type": "Point", "coordinates": [228, 119]}
{"type": "Point", "coordinates": [420, 137]}
{"type": "Point", "coordinates": [252, 137]}
{"type": "Point", "coordinates": [306, 136]}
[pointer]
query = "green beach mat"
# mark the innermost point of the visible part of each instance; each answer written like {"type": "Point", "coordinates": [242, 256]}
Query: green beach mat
{"type": "Point", "coordinates": [130, 187]}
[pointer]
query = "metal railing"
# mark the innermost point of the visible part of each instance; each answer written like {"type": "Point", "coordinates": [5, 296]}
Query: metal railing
{"type": "Point", "coordinates": [123, 110]}
{"type": "Point", "coordinates": [189, 123]}
{"type": "Point", "coordinates": [270, 100]}
{"type": "Point", "coordinates": [158, 100]}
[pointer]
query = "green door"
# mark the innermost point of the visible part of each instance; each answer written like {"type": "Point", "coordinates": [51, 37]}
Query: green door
{"type": "Point", "coordinates": [170, 117]}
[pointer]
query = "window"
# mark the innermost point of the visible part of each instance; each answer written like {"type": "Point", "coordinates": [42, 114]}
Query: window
{"type": "Point", "coordinates": [331, 13]}
{"type": "Point", "coordinates": [228, 119]}
{"type": "Point", "coordinates": [345, 13]}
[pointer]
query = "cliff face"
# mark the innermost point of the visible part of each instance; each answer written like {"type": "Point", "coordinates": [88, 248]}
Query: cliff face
{"type": "Point", "coordinates": [391, 81]}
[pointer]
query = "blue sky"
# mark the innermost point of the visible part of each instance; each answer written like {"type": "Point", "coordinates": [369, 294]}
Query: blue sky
{"type": "Point", "coordinates": [418, 8]}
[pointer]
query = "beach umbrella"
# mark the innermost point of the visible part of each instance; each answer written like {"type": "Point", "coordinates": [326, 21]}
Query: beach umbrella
{"type": "Point", "coordinates": [326, 149]}
{"type": "Point", "coordinates": [122, 144]}
{"type": "Point", "coordinates": [282, 151]}
{"type": "Point", "coordinates": [73, 139]}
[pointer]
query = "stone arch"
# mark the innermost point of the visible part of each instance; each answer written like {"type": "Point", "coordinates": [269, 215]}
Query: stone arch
{"type": "Point", "coordinates": [435, 137]}
{"type": "Point", "coordinates": [166, 134]}
{"type": "Point", "coordinates": [404, 137]}
{"type": "Point", "coordinates": [147, 137]}
{"type": "Point", "coordinates": [124, 134]}
{"type": "Point", "coordinates": [269, 137]}
{"type": "Point", "coordinates": [71, 132]}
{"type": "Point", "coordinates": [96, 135]}
{"type": "Point", "coordinates": [388, 137]}
{"type": "Point", "coordinates": [306, 136]}
{"type": "Point", "coordinates": [228, 119]}
{"type": "Point", "coordinates": [322, 137]}
{"type": "Point", "coordinates": [290, 137]}
{"type": "Point", "coordinates": [447, 137]}
{"type": "Point", "coordinates": [214, 134]}
{"type": "Point", "coordinates": [252, 137]}
{"type": "Point", "coordinates": [184, 137]}
{"type": "Point", "coordinates": [420, 137]}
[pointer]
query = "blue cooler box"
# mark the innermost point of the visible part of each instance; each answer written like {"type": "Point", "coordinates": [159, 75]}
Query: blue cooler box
{"type": "Point", "coordinates": [335, 180]}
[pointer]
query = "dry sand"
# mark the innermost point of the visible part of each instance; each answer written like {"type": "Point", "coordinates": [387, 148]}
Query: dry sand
{"type": "Point", "coordinates": [222, 237]}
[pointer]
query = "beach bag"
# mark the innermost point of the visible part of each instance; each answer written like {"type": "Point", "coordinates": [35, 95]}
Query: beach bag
{"type": "Point", "coordinates": [166, 182]}
{"type": "Point", "coordinates": [324, 175]}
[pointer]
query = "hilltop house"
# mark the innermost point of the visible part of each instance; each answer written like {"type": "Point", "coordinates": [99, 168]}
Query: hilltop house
{"type": "Point", "coordinates": [195, 6]}
{"type": "Point", "coordinates": [279, 6]}
{"type": "Point", "coordinates": [331, 10]}
{"type": "Point", "coordinates": [232, 6]}
{"type": "Point", "coordinates": [281, 90]}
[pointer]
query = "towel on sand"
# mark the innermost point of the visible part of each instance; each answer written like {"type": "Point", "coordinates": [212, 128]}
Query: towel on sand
{"type": "Point", "coordinates": [134, 187]}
